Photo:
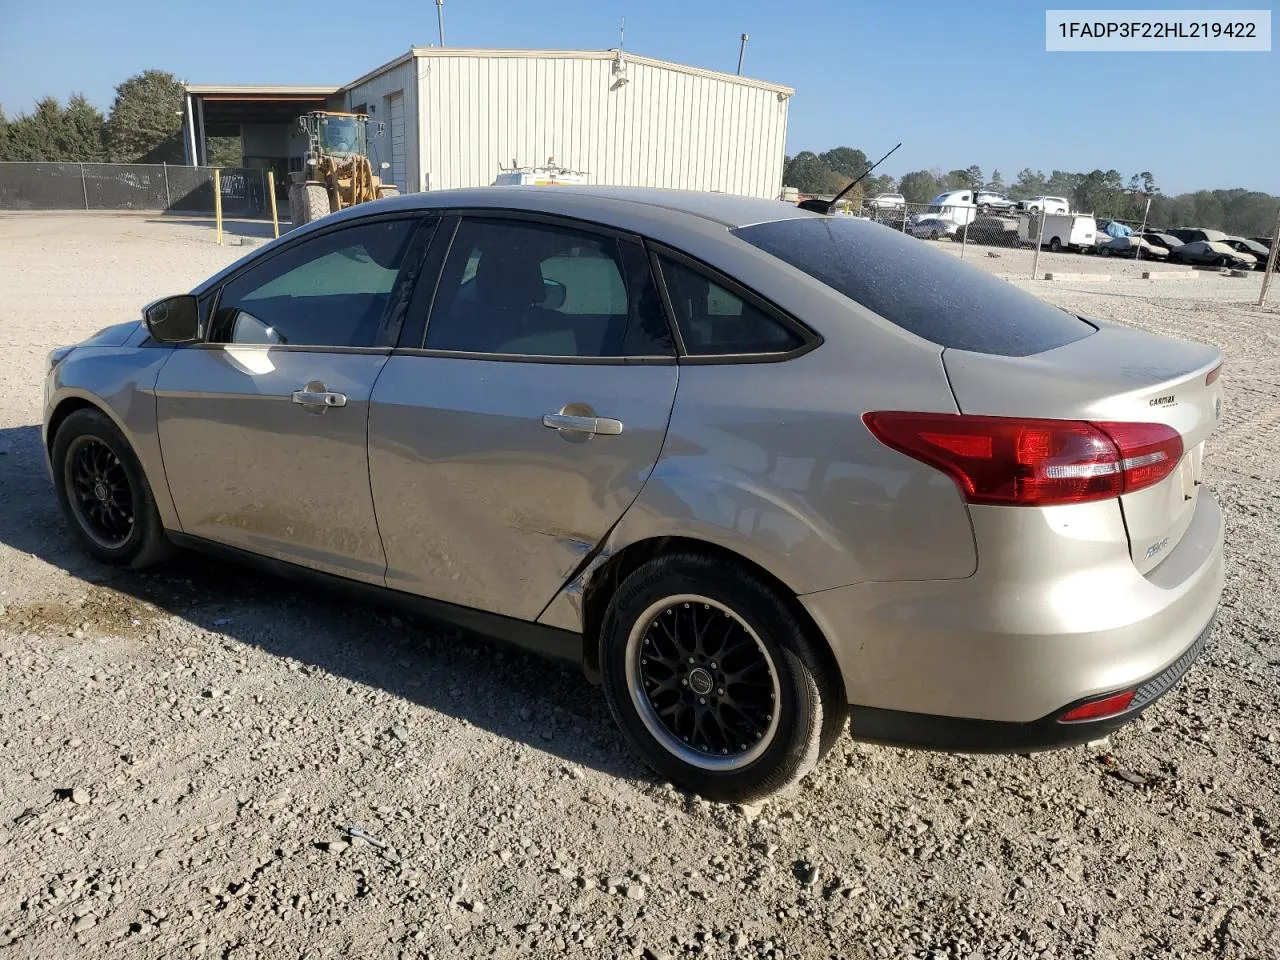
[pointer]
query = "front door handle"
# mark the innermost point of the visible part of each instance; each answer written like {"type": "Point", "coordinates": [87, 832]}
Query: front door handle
{"type": "Point", "coordinates": [315, 396]}
{"type": "Point", "coordinates": [568, 423]}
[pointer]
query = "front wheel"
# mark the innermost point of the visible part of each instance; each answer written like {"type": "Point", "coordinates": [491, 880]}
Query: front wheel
{"type": "Point", "coordinates": [714, 682]}
{"type": "Point", "coordinates": [104, 494]}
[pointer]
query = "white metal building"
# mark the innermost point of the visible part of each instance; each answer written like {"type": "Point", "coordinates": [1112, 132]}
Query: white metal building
{"type": "Point", "coordinates": [455, 116]}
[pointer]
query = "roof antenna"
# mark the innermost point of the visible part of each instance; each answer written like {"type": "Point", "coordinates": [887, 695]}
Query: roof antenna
{"type": "Point", "coordinates": [622, 33]}
{"type": "Point", "coordinates": [826, 206]}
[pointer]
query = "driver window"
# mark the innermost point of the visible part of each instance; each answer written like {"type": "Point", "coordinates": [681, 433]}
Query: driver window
{"type": "Point", "coordinates": [331, 290]}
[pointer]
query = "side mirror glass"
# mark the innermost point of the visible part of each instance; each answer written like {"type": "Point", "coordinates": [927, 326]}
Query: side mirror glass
{"type": "Point", "coordinates": [554, 299]}
{"type": "Point", "coordinates": [174, 319]}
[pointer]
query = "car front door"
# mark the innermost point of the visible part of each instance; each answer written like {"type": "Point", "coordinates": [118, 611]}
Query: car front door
{"type": "Point", "coordinates": [504, 447]}
{"type": "Point", "coordinates": [264, 426]}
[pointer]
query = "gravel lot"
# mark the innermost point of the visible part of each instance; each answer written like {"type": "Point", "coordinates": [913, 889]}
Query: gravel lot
{"type": "Point", "coordinates": [181, 753]}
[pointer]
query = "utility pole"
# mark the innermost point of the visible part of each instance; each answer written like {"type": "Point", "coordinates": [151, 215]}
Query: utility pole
{"type": "Point", "coordinates": [440, 19]}
{"type": "Point", "coordinates": [742, 51]}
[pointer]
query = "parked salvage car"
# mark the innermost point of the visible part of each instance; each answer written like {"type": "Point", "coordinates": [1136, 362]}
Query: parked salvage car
{"type": "Point", "coordinates": [1047, 204]}
{"type": "Point", "coordinates": [1166, 240]}
{"type": "Point", "coordinates": [1212, 253]}
{"type": "Point", "coordinates": [994, 231]}
{"type": "Point", "coordinates": [1131, 246]}
{"type": "Point", "coordinates": [933, 228]}
{"type": "Point", "coordinates": [1258, 251]}
{"type": "Point", "coordinates": [989, 200]}
{"type": "Point", "coordinates": [1192, 234]}
{"type": "Point", "coordinates": [888, 201]}
{"type": "Point", "coordinates": [754, 467]}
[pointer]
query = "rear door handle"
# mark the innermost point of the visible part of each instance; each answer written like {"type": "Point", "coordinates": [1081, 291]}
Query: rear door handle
{"type": "Point", "coordinates": [308, 396]}
{"type": "Point", "coordinates": [568, 423]}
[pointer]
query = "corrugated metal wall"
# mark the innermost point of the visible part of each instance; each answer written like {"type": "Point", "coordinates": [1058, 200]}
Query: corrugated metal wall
{"type": "Point", "coordinates": [660, 127]}
{"type": "Point", "coordinates": [376, 92]}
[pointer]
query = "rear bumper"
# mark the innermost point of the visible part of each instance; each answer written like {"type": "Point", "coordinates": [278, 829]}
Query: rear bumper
{"type": "Point", "coordinates": [1057, 615]}
{"type": "Point", "coordinates": [964, 735]}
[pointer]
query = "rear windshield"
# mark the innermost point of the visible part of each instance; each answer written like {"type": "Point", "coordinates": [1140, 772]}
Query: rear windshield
{"type": "Point", "coordinates": [921, 289]}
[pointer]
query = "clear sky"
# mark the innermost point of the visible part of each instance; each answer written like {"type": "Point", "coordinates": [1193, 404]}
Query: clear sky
{"type": "Point", "coordinates": [957, 82]}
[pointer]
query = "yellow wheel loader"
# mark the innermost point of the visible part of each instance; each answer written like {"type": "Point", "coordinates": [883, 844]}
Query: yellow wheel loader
{"type": "Point", "coordinates": [336, 172]}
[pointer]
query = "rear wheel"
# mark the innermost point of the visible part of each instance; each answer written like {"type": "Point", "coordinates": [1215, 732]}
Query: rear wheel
{"type": "Point", "coordinates": [714, 682]}
{"type": "Point", "coordinates": [104, 494]}
{"type": "Point", "coordinates": [1055, 244]}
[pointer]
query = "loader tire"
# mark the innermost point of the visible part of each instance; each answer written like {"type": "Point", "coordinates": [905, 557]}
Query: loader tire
{"type": "Point", "coordinates": [315, 200]}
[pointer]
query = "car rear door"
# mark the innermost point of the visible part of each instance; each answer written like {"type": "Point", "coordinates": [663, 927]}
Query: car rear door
{"type": "Point", "coordinates": [506, 444]}
{"type": "Point", "coordinates": [264, 426]}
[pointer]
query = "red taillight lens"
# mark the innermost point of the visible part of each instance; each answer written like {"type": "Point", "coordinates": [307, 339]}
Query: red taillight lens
{"type": "Point", "coordinates": [1212, 375]}
{"type": "Point", "coordinates": [1098, 709]}
{"type": "Point", "coordinates": [1019, 461]}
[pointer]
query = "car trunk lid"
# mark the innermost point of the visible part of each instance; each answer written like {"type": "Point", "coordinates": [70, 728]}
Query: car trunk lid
{"type": "Point", "coordinates": [1117, 374]}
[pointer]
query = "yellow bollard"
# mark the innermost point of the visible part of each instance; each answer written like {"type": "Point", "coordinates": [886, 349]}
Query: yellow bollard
{"type": "Point", "coordinates": [217, 202]}
{"type": "Point", "coordinates": [271, 192]}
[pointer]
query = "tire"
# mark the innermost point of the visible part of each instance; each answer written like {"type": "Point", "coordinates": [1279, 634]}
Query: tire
{"type": "Point", "coordinates": [315, 200]}
{"type": "Point", "coordinates": [297, 211]}
{"type": "Point", "coordinates": [1055, 245]}
{"type": "Point", "coordinates": [1033, 210]}
{"type": "Point", "coordinates": [1104, 251]}
{"type": "Point", "coordinates": [777, 664]}
{"type": "Point", "coordinates": [88, 438]}
{"type": "Point", "coordinates": [1222, 261]}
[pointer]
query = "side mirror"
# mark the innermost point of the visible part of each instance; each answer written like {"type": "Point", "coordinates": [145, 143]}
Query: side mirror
{"type": "Point", "coordinates": [382, 129]}
{"type": "Point", "coordinates": [302, 125]}
{"type": "Point", "coordinates": [554, 299]}
{"type": "Point", "coordinates": [385, 165]}
{"type": "Point", "coordinates": [174, 319]}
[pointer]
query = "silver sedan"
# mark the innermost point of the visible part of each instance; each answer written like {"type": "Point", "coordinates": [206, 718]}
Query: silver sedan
{"type": "Point", "coordinates": [755, 468]}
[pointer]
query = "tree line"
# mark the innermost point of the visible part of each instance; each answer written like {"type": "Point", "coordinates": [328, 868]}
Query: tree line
{"type": "Point", "coordinates": [1105, 193]}
{"type": "Point", "coordinates": [143, 126]}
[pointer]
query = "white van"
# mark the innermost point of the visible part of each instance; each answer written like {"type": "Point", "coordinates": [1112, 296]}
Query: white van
{"type": "Point", "coordinates": [1062, 231]}
{"type": "Point", "coordinates": [954, 206]}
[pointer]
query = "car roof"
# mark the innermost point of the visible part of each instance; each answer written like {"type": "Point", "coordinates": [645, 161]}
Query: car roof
{"type": "Point", "coordinates": [675, 217]}
{"type": "Point", "coordinates": [607, 204]}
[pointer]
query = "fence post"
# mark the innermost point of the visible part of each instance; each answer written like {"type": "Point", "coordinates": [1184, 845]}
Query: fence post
{"type": "Point", "coordinates": [964, 238]}
{"type": "Point", "coordinates": [1271, 262]}
{"type": "Point", "coordinates": [271, 192]}
{"type": "Point", "coordinates": [168, 201]}
{"type": "Point", "coordinates": [217, 203]}
{"type": "Point", "coordinates": [84, 187]}
{"type": "Point", "coordinates": [1035, 263]}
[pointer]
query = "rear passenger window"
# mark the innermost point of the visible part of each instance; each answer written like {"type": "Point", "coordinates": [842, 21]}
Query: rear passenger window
{"type": "Point", "coordinates": [531, 289]}
{"type": "Point", "coordinates": [714, 321]}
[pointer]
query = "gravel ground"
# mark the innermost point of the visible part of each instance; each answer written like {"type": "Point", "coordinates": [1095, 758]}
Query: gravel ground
{"type": "Point", "coordinates": [181, 754]}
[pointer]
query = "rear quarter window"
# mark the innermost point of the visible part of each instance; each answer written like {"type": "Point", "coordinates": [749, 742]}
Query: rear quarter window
{"type": "Point", "coordinates": [925, 291]}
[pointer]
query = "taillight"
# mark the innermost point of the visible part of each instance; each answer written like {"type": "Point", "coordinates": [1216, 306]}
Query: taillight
{"type": "Point", "coordinates": [1212, 375]}
{"type": "Point", "coordinates": [1099, 709]}
{"type": "Point", "coordinates": [1021, 461]}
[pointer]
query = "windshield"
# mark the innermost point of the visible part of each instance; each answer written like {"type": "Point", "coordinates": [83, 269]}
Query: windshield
{"type": "Point", "coordinates": [929, 293]}
{"type": "Point", "coordinates": [341, 135]}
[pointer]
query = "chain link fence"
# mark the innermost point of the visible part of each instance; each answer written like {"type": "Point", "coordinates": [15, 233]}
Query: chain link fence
{"type": "Point", "coordinates": [131, 186]}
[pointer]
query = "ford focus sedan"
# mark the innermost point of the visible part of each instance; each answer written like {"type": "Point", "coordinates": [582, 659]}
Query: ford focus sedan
{"type": "Point", "coordinates": [762, 472]}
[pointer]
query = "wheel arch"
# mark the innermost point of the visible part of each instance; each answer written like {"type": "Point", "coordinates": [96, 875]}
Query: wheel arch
{"type": "Point", "coordinates": [67, 406]}
{"type": "Point", "coordinates": [605, 579]}
{"type": "Point", "coordinates": [143, 444]}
